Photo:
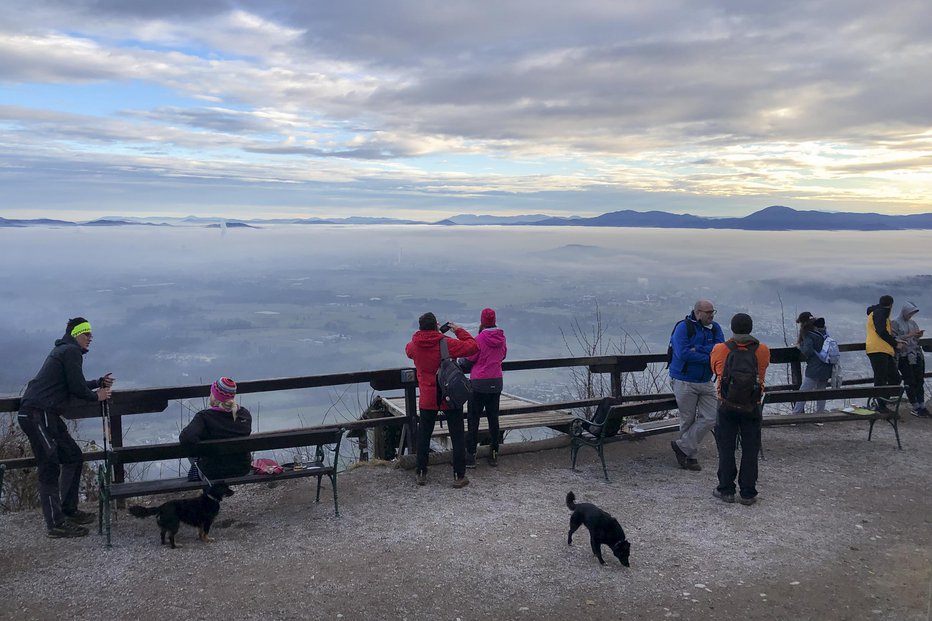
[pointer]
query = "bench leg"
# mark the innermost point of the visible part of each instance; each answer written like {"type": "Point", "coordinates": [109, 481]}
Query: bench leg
{"type": "Point", "coordinates": [574, 450]}
{"type": "Point", "coordinates": [2, 470]}
{"type": "Point", "coordinates": [602, 457]}
{"type": "Point", "coordinates": [894, 422]}
{"type": "Point", "coordinates": [319, 477]}
{"type": "Point", "coordinates": [870, 431]}
{"type": "Point", "coordinates": [333, 482]}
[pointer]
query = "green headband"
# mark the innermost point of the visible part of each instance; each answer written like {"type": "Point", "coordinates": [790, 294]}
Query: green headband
{"type": "Point", "coordinates": [81, 328]}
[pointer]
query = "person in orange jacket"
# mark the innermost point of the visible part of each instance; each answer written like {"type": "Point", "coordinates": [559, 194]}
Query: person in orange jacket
{"type": "Point", "coordinates": [424, 350]}
{"type": "Point", "coordinates": [739, 409]}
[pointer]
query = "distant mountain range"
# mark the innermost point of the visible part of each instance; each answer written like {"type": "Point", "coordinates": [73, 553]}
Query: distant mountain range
{"type": "Point", "coordinates": [775, 218]}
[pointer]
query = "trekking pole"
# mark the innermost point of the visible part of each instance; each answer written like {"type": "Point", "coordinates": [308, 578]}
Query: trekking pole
{"type": "Point", "coordinates": [105, 475]}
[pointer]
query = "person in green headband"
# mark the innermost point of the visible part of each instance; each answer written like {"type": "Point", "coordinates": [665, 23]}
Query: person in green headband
{"type": "Point", "coordinates": [58, 457]}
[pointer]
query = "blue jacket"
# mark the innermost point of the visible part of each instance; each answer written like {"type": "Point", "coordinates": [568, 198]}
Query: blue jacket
{"type": "Point", "coordinates": [690, 361]}
{"type": "Point", "coordinates": [809, 351]}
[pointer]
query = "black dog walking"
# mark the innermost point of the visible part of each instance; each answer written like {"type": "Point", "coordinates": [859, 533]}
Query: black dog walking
{"type": "Point", "coordinates": [199, 512]}
{"type": "Point", "coordinates": [603, 529]}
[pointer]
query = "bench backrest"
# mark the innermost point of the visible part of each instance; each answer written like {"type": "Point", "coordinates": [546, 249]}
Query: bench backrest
{"type": "Point", "coordinates": [311, 436]}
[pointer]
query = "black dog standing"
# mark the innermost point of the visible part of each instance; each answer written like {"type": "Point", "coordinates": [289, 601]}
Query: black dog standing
{"type": "Point", "coordinates": [603, 529]}
{"type": "Point", "coordinates": [199, 512]}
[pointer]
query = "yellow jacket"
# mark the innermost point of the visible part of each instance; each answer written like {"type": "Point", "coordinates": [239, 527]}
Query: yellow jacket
{"type": "Point", "coordinates": [879, 339]}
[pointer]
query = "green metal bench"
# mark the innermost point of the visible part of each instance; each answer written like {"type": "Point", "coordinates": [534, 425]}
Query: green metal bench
{"type": "Point", "coordinates": [319, 437]}
{"type": "Point", "coordinates": [892, 395]}
{"type": "Point", "coordinates": [584, 433]}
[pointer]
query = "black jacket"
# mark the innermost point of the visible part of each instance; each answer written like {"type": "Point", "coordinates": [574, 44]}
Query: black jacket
{"type": "Point", "coordinates": [60, 378]}
{"type": "Point", "coordinates": [217, 425]}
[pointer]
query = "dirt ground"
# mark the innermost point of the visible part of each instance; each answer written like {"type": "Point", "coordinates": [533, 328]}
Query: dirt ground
{"type": "Point", "coordinates": [843, 531]}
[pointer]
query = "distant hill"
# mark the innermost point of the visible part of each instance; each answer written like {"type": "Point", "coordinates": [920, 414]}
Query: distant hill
{"type": "Point", "coordinates": [773, 218]}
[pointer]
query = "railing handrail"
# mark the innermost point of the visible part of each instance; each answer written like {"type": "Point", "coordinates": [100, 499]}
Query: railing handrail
{"type": "Point", "coordinates": [399, 377]}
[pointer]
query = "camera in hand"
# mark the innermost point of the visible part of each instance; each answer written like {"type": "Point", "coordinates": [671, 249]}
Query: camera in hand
{"type": "Point", "coordinates": [445, 327]}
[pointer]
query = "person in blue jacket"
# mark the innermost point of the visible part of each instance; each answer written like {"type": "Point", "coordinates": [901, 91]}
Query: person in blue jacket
{"type": "Point", "coordinates": [691, 378]}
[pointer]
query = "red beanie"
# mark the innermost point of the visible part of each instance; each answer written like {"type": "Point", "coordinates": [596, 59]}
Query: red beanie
{"type": "Point", "coordinates": [487, 319]}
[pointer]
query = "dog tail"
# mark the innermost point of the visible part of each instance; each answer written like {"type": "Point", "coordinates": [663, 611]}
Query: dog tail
{"type": "Point", "coordinates": [141, 512]}
{"type": "Point", "coordinates": [571, 501]}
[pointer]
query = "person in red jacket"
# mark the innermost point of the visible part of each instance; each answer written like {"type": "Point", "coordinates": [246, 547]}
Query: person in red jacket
{"type": "Point", "coordinates": [424, 350]}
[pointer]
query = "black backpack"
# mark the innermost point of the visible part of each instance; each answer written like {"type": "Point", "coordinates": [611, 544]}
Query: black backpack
{"type": "Point", "coordinates": [452, 386]}
{"type": "Point", "coordinates": [690, 333]}
{"type": "Point", "coordinates": [740, 387]}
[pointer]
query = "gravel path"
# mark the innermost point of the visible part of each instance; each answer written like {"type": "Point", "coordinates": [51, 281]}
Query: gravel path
{"type": "Point", "coordinates": [843, 531]}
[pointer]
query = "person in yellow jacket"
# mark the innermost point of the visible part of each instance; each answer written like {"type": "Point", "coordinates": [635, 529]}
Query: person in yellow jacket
{"type": "Point", "coordinates": [881, 346]}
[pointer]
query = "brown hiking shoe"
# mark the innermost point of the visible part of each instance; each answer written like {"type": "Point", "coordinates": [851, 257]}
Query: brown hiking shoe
{"type": "Point", "coordinates": [81, 517]}
{"type": "Point", "coordinates": [459, 482]}
{"type": "Point", "coordinates": [66, 531]}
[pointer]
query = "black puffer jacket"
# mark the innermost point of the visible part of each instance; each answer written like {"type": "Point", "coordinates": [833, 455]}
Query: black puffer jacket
{"type": "Point", "coordinates": [60, 378]}
{"type": "Point", "coordinates": [212, 424]}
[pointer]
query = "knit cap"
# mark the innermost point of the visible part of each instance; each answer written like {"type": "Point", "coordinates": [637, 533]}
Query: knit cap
{"type": "Point", "coordinates": [224, 389]}
{"type": "Point", "coordinates": [487, 319]}
{"type": "Point", "coordinates": [742, 323]}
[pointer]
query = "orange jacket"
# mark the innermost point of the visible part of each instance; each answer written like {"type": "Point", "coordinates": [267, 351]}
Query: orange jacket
{"type": "Point", "coordinates": [720, 353]}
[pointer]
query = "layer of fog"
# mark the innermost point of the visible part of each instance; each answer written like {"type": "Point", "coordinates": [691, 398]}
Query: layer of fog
{"type": "Point", "coordinates": [183, 306]}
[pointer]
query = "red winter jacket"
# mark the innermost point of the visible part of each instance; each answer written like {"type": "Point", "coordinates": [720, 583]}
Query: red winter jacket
{"type": "Point", "coordinates": [424, 350]}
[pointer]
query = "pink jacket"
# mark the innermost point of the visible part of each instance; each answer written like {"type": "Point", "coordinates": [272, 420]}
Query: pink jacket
{"type": "Point", "coordinates": [487, 364]}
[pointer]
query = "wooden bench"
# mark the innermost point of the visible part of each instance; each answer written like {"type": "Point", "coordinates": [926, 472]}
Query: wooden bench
{"type": "Point", "coordinates": [514, 413]}
{"type": "Point", "coordinates": [893, 395]}
{"type": "Point", "coordinates": [319, 437]}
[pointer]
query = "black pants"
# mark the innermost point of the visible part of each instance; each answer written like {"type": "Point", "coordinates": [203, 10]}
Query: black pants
{"type": "Point", "coordinates": [913, 379]}
{"type": "Point", "coordinates": [727, 427]}
{"type": "Point", "coordinates": [884, 366]}
{"type": "Point", "coordinates": [58, 460]}
{"type": "Point", "coordinates": [425, 427]}
{"type": "Point", "coordinates": [483, 402]}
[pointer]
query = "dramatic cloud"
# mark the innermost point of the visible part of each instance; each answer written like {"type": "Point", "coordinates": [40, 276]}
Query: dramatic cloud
{"type": "Point", "coordinates": [717, 107]}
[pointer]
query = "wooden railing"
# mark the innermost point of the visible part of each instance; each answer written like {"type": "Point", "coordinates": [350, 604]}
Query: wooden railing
{"type": "Point", "coordinates": [152, 400]}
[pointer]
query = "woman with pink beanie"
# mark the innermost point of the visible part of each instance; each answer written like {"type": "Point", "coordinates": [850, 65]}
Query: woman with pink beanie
{"type": "Point", "coordinates": [486, 379]}
{"type": "Point", "coordinates": [222, 419]}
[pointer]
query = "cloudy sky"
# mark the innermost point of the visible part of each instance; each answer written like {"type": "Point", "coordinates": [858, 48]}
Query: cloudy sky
{"type": "Point", "coordinates": [427, 109]}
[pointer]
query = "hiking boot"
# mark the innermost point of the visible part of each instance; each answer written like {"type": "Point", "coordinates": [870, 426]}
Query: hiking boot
{"type": "Point", "coordinates": [66, 531]}
{"type": "Point", "coordinates": [693, 464]}
{"type": "Point", "coordinates": [923, 412]}
{"type": "Point", "coordinates": [421, 477]}
{"type": "Point", "coordinates": [680, 455]}
{"type": "Point", "coordinates": [81, 517]}
{"type": "Point", "coordinates": [723, 497]}
{"type": "Point", "coordinates": [493, 458]}
{"type": "Point", "coordinates": [470, 460]}
{"type": "Point", "coordinates": [459, 482]}
{"type": "Point", "coordinates": [747, 502]}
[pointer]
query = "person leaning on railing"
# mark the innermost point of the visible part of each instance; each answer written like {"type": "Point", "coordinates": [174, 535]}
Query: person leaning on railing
{"type": "Point", "coordinates": [58, 457]}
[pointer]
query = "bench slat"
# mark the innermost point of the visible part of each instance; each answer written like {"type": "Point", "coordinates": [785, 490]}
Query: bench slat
{"type": "Point", "coordinates": [165, 486]}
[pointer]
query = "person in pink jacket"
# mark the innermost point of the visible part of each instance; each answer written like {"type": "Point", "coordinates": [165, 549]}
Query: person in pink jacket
{"type": "Point", "coordinates": [486, 379]}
